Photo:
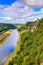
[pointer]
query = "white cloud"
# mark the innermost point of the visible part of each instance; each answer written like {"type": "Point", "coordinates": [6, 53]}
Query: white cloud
{"type": "Point", "coordinates": [20, 12]}
{"type": "Point", "coordinates": [6, 18]}
{"type": "Point", "coordinates": [34, 3]}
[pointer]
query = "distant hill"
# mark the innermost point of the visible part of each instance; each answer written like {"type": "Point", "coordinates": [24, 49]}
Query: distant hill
{"type": "Point", "coordinates": [4, 27]}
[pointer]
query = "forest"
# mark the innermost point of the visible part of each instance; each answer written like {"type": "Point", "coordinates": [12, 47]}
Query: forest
{"type": "Point", "coordinates": [29, 50]}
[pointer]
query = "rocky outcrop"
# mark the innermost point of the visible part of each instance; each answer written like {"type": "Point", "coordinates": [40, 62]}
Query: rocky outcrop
{"type": "Point", "coordinates": [36, 25]}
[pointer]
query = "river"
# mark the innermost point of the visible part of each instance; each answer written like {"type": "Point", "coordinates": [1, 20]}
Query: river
{"type": "Point", "coordinates": [8, 48]}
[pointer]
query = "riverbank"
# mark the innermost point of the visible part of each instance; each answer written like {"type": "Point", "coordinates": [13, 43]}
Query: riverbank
{"type": "Point", "coordinates": [14, 53]}
{"type": "Point", "coordinates": [17, 48]}
{"type": "Point", "coordinates": [4, 36]}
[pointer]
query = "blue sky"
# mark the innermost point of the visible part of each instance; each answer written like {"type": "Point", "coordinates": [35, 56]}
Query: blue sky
{"type": "Point", "coordinates": [7, 2]}
{"type": "Point", "coordinates": [20, 11]}
{"type": "Point", "coordinates": [37, 9]}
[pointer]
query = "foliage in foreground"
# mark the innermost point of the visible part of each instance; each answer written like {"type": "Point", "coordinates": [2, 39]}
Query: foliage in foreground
{"type": "Point", "coordinates": [30, 48]}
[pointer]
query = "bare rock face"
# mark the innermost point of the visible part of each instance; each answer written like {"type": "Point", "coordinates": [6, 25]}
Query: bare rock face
{"type": "Point", "coordinates": [36, 25]}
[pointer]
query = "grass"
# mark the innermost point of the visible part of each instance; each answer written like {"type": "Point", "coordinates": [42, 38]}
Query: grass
{"type": "Point", "coordinates": [4, 37]}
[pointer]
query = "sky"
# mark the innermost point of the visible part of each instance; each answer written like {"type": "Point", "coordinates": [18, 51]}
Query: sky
{"type": "Point", "coordinates": [20, 11]}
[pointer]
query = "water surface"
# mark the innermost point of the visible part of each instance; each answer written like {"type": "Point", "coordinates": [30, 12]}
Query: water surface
{"type": "Point", "coordinates": [8, 46]}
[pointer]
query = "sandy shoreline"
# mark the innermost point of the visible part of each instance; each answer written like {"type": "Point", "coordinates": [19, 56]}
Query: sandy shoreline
{"type": "Point", "coordinates": [4, 37]}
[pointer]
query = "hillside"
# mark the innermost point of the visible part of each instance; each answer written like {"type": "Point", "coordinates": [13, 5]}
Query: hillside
{"type": "Point", "coordinates": [4, 27]}
{"type": "Point", "coordinates": [29, 50]}
{"type": "Point", "coordinates": [5, 31]}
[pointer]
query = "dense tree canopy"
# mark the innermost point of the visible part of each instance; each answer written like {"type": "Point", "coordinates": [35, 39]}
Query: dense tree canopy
{"type": "Point", "coordinates": [30, 47]}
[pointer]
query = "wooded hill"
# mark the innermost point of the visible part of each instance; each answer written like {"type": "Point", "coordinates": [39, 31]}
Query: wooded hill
{"type": "Point", "coordinates": [4, 27]}
{"type": "Point", "coordinates": [30, 46]}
